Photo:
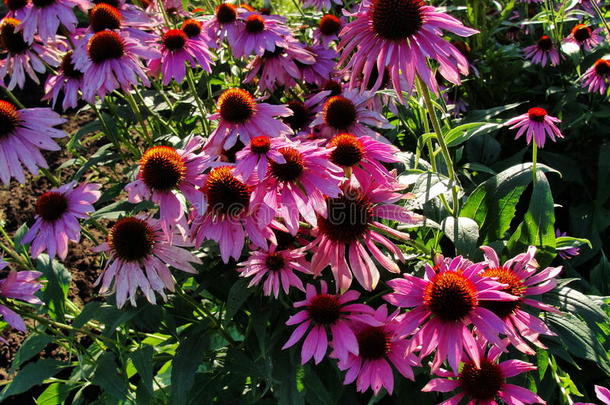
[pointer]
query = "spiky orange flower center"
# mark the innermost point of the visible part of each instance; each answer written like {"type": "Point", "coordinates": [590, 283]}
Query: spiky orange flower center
{"type": "Point", "coordinates": [174, 40]}
{"type": "Point", "coordinates": [537, 114]}
{"type": "Point", "coordinates": [292, 169]}
{"type": "Point", "coordinates": [481, 384]}
{"type": "Point", "coordinates": [348, 217]}
{"type": "Point", "coordinates": [450, 296]}
{"type": "Point", "coordinates": [191, 27]}
{"type": "Point", "coordinates": [9, 118]}
{"type": "Point", "coordinates": [103, 16]}
{"type": "Point", "coordinates": [373, 342]}
{"type": "Point", "coordinates": [226, 194]}
{"type": "Point", "coordinates": [51, 206]}
{"type": "Point", "coordinates": [11, 40]}
{"type": "Point", "coordinates": [324, 309]}
{"type": "Point", "coordinates": [260, 144]}
{"type": "Point", "coordinates": [105, 45]}
{"type": "Point", "coordinates": [236, 106]}
{"type": "Point", "coordinates": [348, 150]}
{"type": "Point", "coordinates": [131, 239]}
{"type": "Point", "coordinates": [515, 287]}
{"type": "Point", "coordinates": [162, 168]}
{"type": "Point", "coordinates": [329, 25]}
{"type": "Point", "coordinates": [396, 20]}
{"type": "Point", "coordinates": [339, 113]}
{"type": "Point", "coordinates": [255, 24]}
{"type": "Point", "coordinates": [226, 13]}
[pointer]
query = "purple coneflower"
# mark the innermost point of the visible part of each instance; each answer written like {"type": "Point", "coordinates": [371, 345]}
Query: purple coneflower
{"type": "Point", "coordinates": [345, 232]}
{"type": "Point", "coordinates": [18, 285]}
{"type": "Point", "coordinates": [260, 34]}
{"type": "Point", "coordinates": [44, 17]}
{"type": "Point", "coordinates": [536, 124]}
{"type": "Point", "coordinates": [327, 30]}
{"type": "Point", "coordinates": [401, 35]}
{"type": "Point", "coordinates": [542, 52]}
{"type": "Point", "coordinates": [596, 78]}
{"type": "Point", "coordinates": [68, 80]}
{"type": "Point", "coordinates": [139, 256]}
{"type": "Point", "coordinates": [566, 253]}
{"type": "Point", "coordinates": [224, 23]}
{"type": "Point", "coordinates": [276, 267]}
{"type": "Point", "coordinates": [319, 72]}
{"type": "Point", "coordinates": [16, 8]}
{"type": "Point", "coordinates": [23, 134]}
{"type": "Point", "coordinates": [379, 348]}
{"type": "Point", "coordinates": [585, 37]}
{"type": "Point", "coordinates": [164, 173]}
{"type": "Point", "coordinates": [255, 158]}
{"type": "Point", "coordinates": [322, 313]}
{"type": "Point", "coordinates": [321, 4]}
{"type": "Point", "coordinates": [445, 302]}
{"type": "Point", "coordinates": [57, 215]}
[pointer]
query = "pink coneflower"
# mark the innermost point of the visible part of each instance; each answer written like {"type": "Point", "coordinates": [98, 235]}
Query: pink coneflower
{"type": "Point", "coordinates": [299, 185]}
{"type": "Point", "coordinates": [321, 4]}
{"type": "Point", "coordinates": [303, 113]}
{"type": "Point", "coordinates": [402, 35]}
{"type": "Point", "coordinates": [379, 347]}
{"type": "Point", "coordinates": [164, 173]}
{"type": "Point", "coordinates": [483, 380]}
{"type": "Point", "coordinates": [585, 37]}
{"type": "Point", "coordinates": [319, 72]}
{"type": "Point", "coordinates": [565, 253]}
{"type": "Point", "coordinates": [596, 78]}
{"type": "Point", "coordinates": [57, 215]}
{"type": "Point", "coordinates": [111, 61]}
{"type": "Point", "coordinates": [542, 52]}
{"type": "Point", "coordinates": [131, 14]}
{"type": "Point", "coordinates": [280, 68]}
{"type": "Point", "coordinates": [231, 215]}
{"type": "Point", "coordinates": [536, 124]}
{"type": "Point", "coordinates": [587, 5]}
{"type": "Point", "coordinates": [445, 302]}
{"type": "Point", "coordinates": [224, 23]}
{"type": "Point", "coordinates": [18, 285]}
{"type": "Point", "coordinates": [21, 57]}
{"type": "Point", "coordinates": [104, 16]}
{"type": "Point", "coordinates": [67, 80]}
{"type": "Point", "coordinates": [256, 157]}
{"type": "Point", "coordinates": [602, 393]}
{"type": "Point", "coordinates": [139, 256]}
{"type": "Point", "coordinates": [348, 112]}
{"type": "Point", "coordinates": [23, 134]}
{"type": "Point", "coordinates": [44, 17]}
{"type": "Point", "coordinates": [194, 30]}
{"type": "Point", "coordinates": [346, 231]}
{"type": "Point", "coordinates": [365, 152]}
{"type": "Point", "coordinates": [177, 48]}
{"type": "Point", "coordinates": [242, 117]}
{"type": "Point", "coordinates": [323, 312]}
{"type": "Point", "coordinates": [277, 266]}
{"type": "Point", "coordinates": [260, 34]}
{"type": "Point", "coordinates": [521, 278]}
{"type": "Point", "coordinates": [16, 8]}
{"type": "Point", "coordinates": [327, 30]}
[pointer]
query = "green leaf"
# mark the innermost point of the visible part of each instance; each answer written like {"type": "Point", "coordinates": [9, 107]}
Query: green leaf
{"type": "Point", "coordinates": [109, 377]}
{"type": "Point", "coordinates": [603, 173]}
{"type": "Point", "coordinates": [30, 348]}
{"type": "Point", "coordinates": [31, 375]}
{"type": "Point", "coordinates": [143, 362]}
{"type": "Point", "coordinates": [464, 132]}
{"type": "Point", "coordinates": [189, 356]}
{"type": "Point", "coordinates": [600, 275]}
{"type": "Point", "coordinates": [238, 294]}
{"type": "Point", "coordinates": [464, 233]}
{"type": "Point", "coordinates": [574, 302]}
{"type": "Point", "coordinates": [55, 293]}
{"type": "Point", "coordinates": [55, 394]}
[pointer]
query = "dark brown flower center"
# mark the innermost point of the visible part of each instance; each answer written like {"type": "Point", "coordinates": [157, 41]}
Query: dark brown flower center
{"type": "Point", "coordinates": [104, 16]}
{"type": "Point", "coordinates": [9, 118]}
{"type": "Point", "coordinates": [226, 194]}
{"type": "Point", "coordinates": [515, 287]}
{"type": "Point", "coordinates": [329, 25]}
{"type": "Point", "coordinates": [396, 20]}
{"type": "Point", "coordinates": [162, 168]}
{"type": "Point", "coordinates": [450, 296]}
{"type": "Point", "coordinates": [292, 169]}
{"type": "Point", "coordinates": [339, 113]}
{"type": "Point", "coordinates": [300, 115]}
{"type": "Point", "coordinates": [348, 217]}
{"type": "Point", "coordinates": [191, 27]}
{"type": "Point", "coordinates": [226, 13]}
{"type": "Point", "coordinates": [373, 343]}
{"type": "Point", "coordinates": [11, 40]}
{"type": "Point", "coordinates": [536, 114]}
{"type": "Point", "coordinates": [324, 309]}
{"type": "Point", "coordinates": [348, 150]}
{"type": "Point", "coordinates": [105, 45]}
{"type": "Point", "coordinates": [334, 87]}
{"type": "Point", "coordinates": [67, 67]}
{"type": "Point", "coordinates": [174, 40]}
{"type": "Point", "coordinates": [260, 144]}
{"type": "Point", "coordinates": [14, 5]}
{"type": "Point", "coordinates": [545, 43]}
{"type": "Point", "coordinates": [602, 67]}
{"type": "Point", "coordinates": [481, 384]}
{"type": "Point", "coordinates": [274, 261]}
{"type": "Point", "coordinates": [255, 24]}
{"type": "Point", "coordinates": [42, 3]}
{"type": "Point", "coordinates": [131, 239]}
{"type": "Point", "coordinates": [51, 206]}
{"type": "Point", "coordinates": [236, 106]}
{"type": "Point", "coordinates": [581, 32]}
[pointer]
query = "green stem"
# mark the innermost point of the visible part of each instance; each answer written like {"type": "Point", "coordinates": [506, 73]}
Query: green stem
{"type": "Point", "coordinates": [191, 82]}
{"type": "Point", "coordinates": [13, 98]}
{"type": "Point", "coordinates": [52, 178]}
{"type": "Point", "coordinates": [599, 13]}
{"type": "Point", "coordinates": [136, 110]}
{"type": "Point", "coordinates": [441, 141]}
{"type": "Point", "coordinates": [534, 160]}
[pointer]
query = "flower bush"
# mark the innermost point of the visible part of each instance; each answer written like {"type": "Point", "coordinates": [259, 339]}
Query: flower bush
{"type": "Point", "coordinates": [385, 201]}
